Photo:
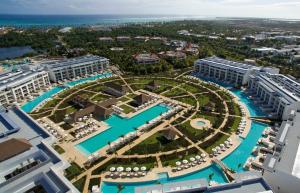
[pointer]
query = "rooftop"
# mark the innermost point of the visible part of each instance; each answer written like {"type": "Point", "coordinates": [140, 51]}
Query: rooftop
{"type": "Point", "coordinates": [222, 62]}
{"type": "Point", "coordinates": [11, 79]}
{"type": "Point", "coordinates": [27, 158]}
{"type": "Point", "coordinates": [74, 61]}
{"type": "Point", "coordinates": [288, 138]}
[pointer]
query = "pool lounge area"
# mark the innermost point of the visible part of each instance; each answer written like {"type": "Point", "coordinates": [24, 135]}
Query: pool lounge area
{"type": "Point", "coordinates": [31, 105]}
{"type": "Point", "coordinates": [120, 126]}
{"type": "Point", "coordinates": [234, 160]}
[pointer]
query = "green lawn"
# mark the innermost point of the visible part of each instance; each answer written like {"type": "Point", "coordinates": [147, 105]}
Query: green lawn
{"type": "Point", "coordinates": [79, 184]}
{"type": "Point", "coordinates": [127, 109]}
{"type": "Point", "coordinates": [73, 170]}
{"type": "Point", "coordinates": [175, 92]}
{"type": "Point", "coordinates": [99, 97]}
{"type": "Point", "coordinates": [157, 143]}
{"type": "Point", "coordinates": [188, 100]}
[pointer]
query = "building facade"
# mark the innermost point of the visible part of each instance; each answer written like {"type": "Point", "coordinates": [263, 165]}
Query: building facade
{"type": "Point", "coordinates": [19, 85]}
{"type": "Point", "coordinates": [276, 94]}
{"type": "Point", "coordinates": [69, 69]}
{"type": "Point", "coordinates": [224, 70]}
{"type": "Point", "coordinates": [282, 167]}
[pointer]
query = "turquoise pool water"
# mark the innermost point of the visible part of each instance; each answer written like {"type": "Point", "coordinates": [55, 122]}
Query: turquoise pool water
{"type": "Point", "coordinates": [200, 123]}
{"type": "Point", "coordinates": [29, 106]}
{"type": "Point", "coordinates": [235, 160]}
{"type": "Point", "coordinates": [120, 126]}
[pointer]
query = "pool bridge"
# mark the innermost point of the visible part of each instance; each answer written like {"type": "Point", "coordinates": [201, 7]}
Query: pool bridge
{"type": "Point", "coordinates": [229, 174]}
{"type": "Point", "coordinates": [265, 120]}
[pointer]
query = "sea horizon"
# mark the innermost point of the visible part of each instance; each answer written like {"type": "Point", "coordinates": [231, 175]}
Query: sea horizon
{"type": "Point", "coordinates": [74, 20]}
{"type": "Point", "coordinates": [46, 20]}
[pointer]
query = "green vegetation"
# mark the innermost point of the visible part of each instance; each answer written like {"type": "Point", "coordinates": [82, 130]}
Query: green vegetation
{"type": "Point", "coordinates": [73, 171]}
{"type": "Point", "coordinates": [59, 149]}
{"type": "Point", "coordinates": [66, 126]}
{"type": "Point", "coordinates": [188, 100]}
{"type": "Point", "coordinates": [211, 143]}
{"type": "Point", "coordinates": [158, 143]}
{"type": "Point", "coordinates": [171, 159]}
{"type": "Point", "coordinates": [194, 134]}
{"type": "Point", "coordinates": [79, 184]}
{"type": "Point", "coordinates": [127, 109]}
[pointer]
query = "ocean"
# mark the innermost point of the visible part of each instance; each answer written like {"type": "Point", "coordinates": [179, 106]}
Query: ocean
{"type": "Point", "coordinates": [25, 21]}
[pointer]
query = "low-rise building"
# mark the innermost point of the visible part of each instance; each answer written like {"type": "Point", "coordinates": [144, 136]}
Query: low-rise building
{"type": "Point", "coordinates": [123, 38]}
{"type": "Point", "coordinates": [15, 86]}
{"type": "Point", "coordinates": [153, 85]}
{"type": "Point", "coordinates": [106, 39]}
{"type": "Point", "coordinates": [146, 58]}
{"type": "Point", "coordinates": [141, 99]}
{"type": "Point", "coordinates": [172, 55]}
{"type": "Point", "coordinates": [98, 110]}
{"type": "Point", "coordinates": [69, 69]}
{"type": "Point", "coordinates": [141, 38]}
{"type": "Point", "coordinates": [27, 160]}
{"type": "Point", "coordinates": [116, 90]}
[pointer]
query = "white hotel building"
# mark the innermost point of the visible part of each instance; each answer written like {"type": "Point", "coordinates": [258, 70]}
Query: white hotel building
{"type": "Point", "coordinates": [76, 67]}
{"type": "Point", "coordinates": [224, 70]}
{"type": "Point", "coordinates": [16, 86]}
{"type": "Point", "coordinates": [277, 94]}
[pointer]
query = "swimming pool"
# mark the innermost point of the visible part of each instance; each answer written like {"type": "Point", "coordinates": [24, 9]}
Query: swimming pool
{"type": "Point", "coordinates": [120, 126]}
{"type": "Point", "coordinates": [200, 123]}
{"type": "Point", "coordinates": [235, 160]}
{"type": "Point", "coordinates": [29, 106]}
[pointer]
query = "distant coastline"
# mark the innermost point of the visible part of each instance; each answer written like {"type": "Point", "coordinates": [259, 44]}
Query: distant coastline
{"type": "Point", "coordinates": [26, 21]}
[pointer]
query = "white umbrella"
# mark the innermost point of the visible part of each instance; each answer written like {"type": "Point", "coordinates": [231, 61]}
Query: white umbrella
{"type": "Point", "coordinates": [197, 157]}
{"type": "Point", "coordinates": [112, 169]}
{"type": "Point", "coordinates": [178, 163]}
{"type": "Point", "coordinates": [185, 161]}
{"type": "Point", "coordinates": [192, 159]}
{"type": "Point", "coordinates": [214, 149]}
{"type": "Point", "coordinates": [203, 155]}
{"type": "Point", "coordinates": [136, 169]}
{"type": "Point", "coordinates": [143, 168]}
{"type": "Point", "coordinates": [128, 169]}
{"type": "Point", "coordinates": [120, 169]}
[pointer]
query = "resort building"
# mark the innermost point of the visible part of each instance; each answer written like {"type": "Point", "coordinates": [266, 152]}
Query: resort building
{"type": "Point", "coordinates": [146, 58]}
{"type": "Point", "coordinates": [123, 38]}
{"type": "Point", "coordinates": [153, 85]}
{"type": "Point", "coordinates": [106, 39]}
{"type": "Point", "coordinates": [19, 85]}
{"type": "Point", "coordinates": [141, 38]}
{"type": "Point", "coordinates": [89, 108]}
{"type": "Point", "coordinates": [28, 163]}
{"type": "Point", "coordinates": [282, 168]}
{"type": "Point", "coordinates": [172, 55]}
{"type": "Point", "coordinates": [277, 94]}
{"type": "Point", "coordinates": [247, 182]}
{"type": "Point", "coordinates": [224, 70]}
{"type": "Point", "coordinates": [76, 67]}
{"type": "Point", "coordinates": [116, 90]}
{"type": "Point", "coordinates": [141, 99]}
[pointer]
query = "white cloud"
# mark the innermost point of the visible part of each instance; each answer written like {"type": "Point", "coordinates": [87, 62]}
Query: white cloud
{"type": "Point", "coordinates": [240, 8]}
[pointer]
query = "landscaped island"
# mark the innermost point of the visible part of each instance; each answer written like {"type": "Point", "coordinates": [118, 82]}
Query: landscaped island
{"type": "Point", "coordinates": [131, 128]}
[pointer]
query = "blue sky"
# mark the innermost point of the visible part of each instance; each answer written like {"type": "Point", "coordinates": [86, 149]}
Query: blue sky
{"type": "Point", "coordinates": [236, 8]}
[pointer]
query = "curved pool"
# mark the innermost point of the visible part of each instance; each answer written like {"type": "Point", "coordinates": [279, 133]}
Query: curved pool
{"type": "Point", "coordinates": [31, 105]}
{"type": "Point", "coordinates": [235, 160]}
